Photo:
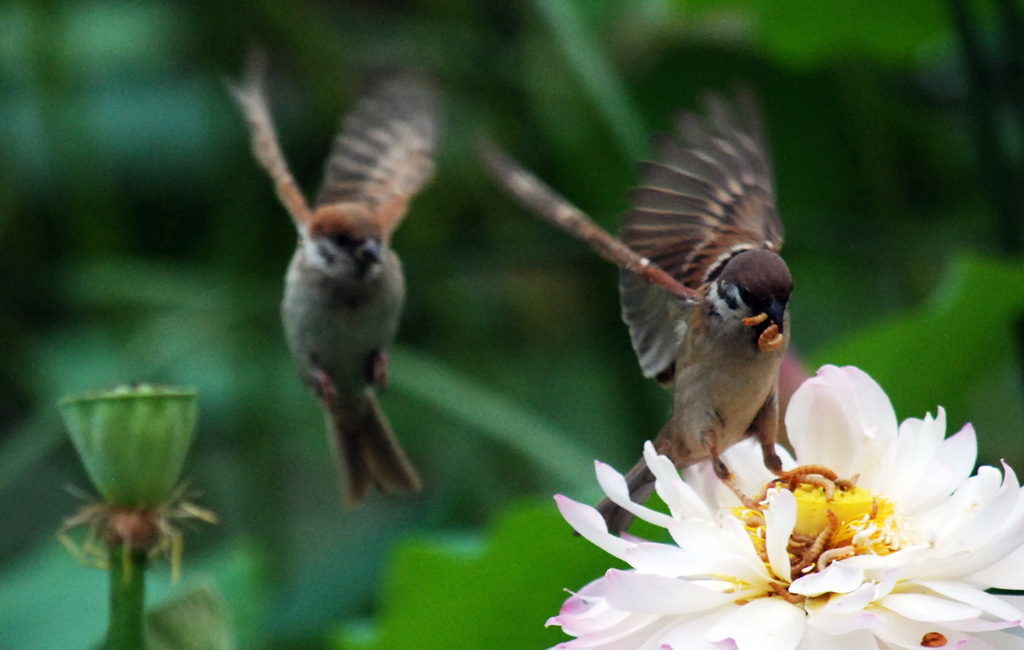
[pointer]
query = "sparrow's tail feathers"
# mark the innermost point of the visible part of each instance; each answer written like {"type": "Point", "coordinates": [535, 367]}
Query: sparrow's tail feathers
{"type": "Point", "coordinates": [641, 485]}
{"type": "Point", "coordinates": [368, 454]}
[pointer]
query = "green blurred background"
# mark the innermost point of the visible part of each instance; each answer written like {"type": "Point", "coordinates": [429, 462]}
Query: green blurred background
{"type": "Point", "coordinates": [141, 242]}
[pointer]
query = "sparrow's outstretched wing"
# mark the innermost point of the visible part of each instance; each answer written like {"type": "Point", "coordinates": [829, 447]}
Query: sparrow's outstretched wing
{"type": "Point", "coordinates": [708, 196]}
{"type": "Point", "coordinates": [384, 152]}
{"type": "Point", "coordinates": [252, 98]}
{"type": "Point", "coordinates": [548, 205]}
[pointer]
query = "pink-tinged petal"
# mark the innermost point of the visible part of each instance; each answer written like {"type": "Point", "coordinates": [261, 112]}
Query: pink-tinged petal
{"type": "Point", "coordinates": [589, 523]}
{"type": "Point", "coordinates": [780, 517]}
{"type": "Point", "coordinates": [860, 639]}
{"type": "Point", "coordinates": [649, 594]}
{"type": "Point", "coordinates": [923, 607]}
{"type": "Point", "coordinates": [588, 616]}
{"type": "Point", "coordinates": [988, 603]}
{"type": "Point", "coordinates": [631, 632]}
{"type": "Point", "coordinates": [614, 485]}
{"type": "Point", "coordinates": [838, 578]}
{"type": "Point", "coordinates": [763, 624]}
{"type": "Point", "coordinates": [688, 633]}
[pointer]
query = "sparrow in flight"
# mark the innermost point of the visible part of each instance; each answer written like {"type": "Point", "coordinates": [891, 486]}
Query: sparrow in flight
{"type": "Point", "coordinates": [704, 291]}
{"type": "Point", "coordinates": [344, 288]}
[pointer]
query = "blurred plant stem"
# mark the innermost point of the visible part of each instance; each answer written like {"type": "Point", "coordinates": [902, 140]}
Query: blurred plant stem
{"type": "Point", "coordinates": [597, 75]}
{"type": "Point", "coordinates": [127, 598]}
{"type": "Point", "coordinates": [987, 76]}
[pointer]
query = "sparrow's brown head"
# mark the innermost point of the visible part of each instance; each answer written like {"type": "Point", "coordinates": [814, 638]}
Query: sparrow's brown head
{"type": "Point", "coordinates": [344, 240]}
{"type": "Point", "coordinates": [762, 283]}
{"type": "Point", "coordinates": [754, 288]}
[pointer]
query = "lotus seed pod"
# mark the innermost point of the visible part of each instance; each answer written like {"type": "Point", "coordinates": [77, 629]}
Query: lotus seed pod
{"type": "Point", "coordinates": [132, 440]}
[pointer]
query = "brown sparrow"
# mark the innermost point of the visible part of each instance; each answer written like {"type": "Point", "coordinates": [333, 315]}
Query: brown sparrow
{"type": "Point", "coordinates": [344, 288]}
{"type": "Point", "coordinates": [704, 291]}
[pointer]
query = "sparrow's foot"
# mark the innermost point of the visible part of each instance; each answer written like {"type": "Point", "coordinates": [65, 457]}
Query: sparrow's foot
{"type": "Point", "coordinates": [378, 368]}
{"type": "Point", "coordinates": [726, 477]}
{"type": "Point", "coordinates": [325, 388]}
{"type": "Point", "coordinates": [771, 458]}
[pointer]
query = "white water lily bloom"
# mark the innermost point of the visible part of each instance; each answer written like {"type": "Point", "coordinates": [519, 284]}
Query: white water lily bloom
{"type": "Point", "coordinates": [893, 550]}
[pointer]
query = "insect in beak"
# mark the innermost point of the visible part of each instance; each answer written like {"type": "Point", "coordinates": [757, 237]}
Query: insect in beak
{"type": "Point", "coordinates": [771, 337]}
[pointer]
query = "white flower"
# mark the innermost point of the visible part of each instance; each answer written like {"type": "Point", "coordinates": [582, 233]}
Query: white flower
{"type": "Point", "coordinates": [902, 560]}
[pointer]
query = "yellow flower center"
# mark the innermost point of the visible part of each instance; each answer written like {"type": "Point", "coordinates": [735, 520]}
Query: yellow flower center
{"type": "Point", "coordinates": [812, 507]}
{"type": "Point", "coordinates": [835, 520]}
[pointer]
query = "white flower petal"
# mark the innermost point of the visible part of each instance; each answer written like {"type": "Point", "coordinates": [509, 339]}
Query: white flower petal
{"type": "Point", "coordinates": [764, 624]}
{"type": "Point", "coordinates": [589, 523]}
{"type": "Point", "coordinates": [912, 471]}
{"type": "Point", "coordinates": [614, 485]}
{"type": "Point", "coordinates": [649, 594]}
{"type": "Point", "coordinates": [852, 601]}
{"type": "Point", "coordinates": [988, 603]}
{"type": "Point", "coordinates": [957, 535]}
{"type": "Point", "coordinates": [837, 578]}
{"type": "Point", "coordinates": [922, 607]}
{"type": "Point", "coordinates": [905, 633]}
{"type": "Point", "coordinates": [860, 639]}
{"type": "Point", "coordinates": [780, 517]}
{"type": "Point", "coordinates": [831, 417]}
{"type": "Point", "coordinates": [840, 624]}
{"type": "Point", "coordinates": [682, 500]}
{"type": "Point", "coordinates": [688, 633]}
{"type": "Point", "coordinates": [952, 465]}
{"type": "Point", "coordinates": [724, 550]}
{"type": "Point", "coordinates": [1002, 640]}
{"type": "Point", "coordinates": [1007, 573]}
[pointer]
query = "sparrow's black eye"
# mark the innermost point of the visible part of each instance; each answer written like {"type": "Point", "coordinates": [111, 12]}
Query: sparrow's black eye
{"type": "Point", "coordinates": [341, 240]}
{"type": "Point", "coordinates": [746, 296]}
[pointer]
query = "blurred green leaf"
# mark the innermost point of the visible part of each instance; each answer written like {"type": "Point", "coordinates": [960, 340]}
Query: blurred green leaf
{"type": "Point", "coordinates": [936, 355]}
{"type": "Point", "coordinates": [47, 585]}
{"type": "Point", "coordinates": [809, 32]}
{"type": "Point", "coordinates": [493, 594]}
{"type": "Point", "coordinates": [493, 415]}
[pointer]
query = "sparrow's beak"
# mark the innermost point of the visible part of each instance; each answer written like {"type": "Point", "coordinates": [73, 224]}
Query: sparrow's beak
{"type": "Point", "coordinates": [777, 313]}
{"type": "Point", "coordinates": [368, 251]}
